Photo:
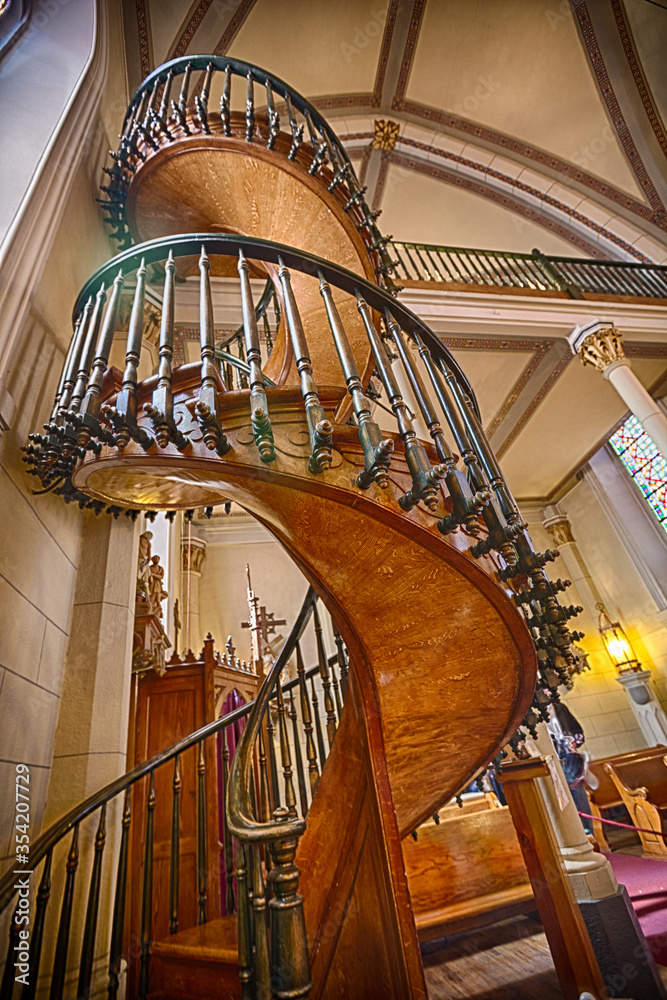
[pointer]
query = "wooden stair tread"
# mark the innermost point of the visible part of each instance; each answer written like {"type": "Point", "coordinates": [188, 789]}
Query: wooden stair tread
{"type": "Point", "coordinates": [215, 941]}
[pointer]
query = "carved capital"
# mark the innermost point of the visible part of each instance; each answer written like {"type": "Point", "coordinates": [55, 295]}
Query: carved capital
{"type": "Point", "coordinates": [192, 554]}
{"type": "Point", "coordinates": [385, 134]}
{"type": "Point", "coordinates": [601, 348]}
{"type": "Point", "coordinates": [560, 530]}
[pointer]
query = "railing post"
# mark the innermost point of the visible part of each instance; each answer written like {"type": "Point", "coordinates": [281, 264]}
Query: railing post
{"type": "Point", "coordinates": [554, 276]}
{"type": "Point", "coordinates": [290, 963]}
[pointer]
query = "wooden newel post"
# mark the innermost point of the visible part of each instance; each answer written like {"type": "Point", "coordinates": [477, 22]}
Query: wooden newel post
{"type": "Point", "coordinates": [290, 963]}
{"type": "Point", "coordinates": [571, 949]}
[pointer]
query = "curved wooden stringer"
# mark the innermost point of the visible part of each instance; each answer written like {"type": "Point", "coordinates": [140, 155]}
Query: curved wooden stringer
{"type": "Point", "coordinates": [385, 527]}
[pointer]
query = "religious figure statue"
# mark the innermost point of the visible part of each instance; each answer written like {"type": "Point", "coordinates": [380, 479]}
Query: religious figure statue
{"type": "Point", "coordinates": [156, 591]}
{"type": "Point", "coordinates": [144, 566]}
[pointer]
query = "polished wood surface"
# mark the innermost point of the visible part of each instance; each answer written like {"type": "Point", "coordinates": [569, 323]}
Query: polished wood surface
{"type": "Point", "coordinates": [201, 963]}
{"type": "Point", "coordinates": [570, 945]}
{"type": "Point", "coordinates": [643, 814]}
{"type": "Point", "coordinates": [466, 871]}
{"type": "Point", "coordinates": [636, 769]}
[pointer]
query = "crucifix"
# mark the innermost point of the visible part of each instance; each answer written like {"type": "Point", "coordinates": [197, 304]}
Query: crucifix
{"type": "Point", "coordinates": [262, 624]}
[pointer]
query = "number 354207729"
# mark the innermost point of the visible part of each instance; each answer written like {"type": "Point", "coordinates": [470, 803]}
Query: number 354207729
{"type": "Point", "coordinates": [22, 812]}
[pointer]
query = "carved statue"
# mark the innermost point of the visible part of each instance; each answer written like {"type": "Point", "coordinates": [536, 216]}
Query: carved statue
{"type": "Point", "coordinates": [156, 591]}
{"type": "Point", "coordinates": [144, 567]}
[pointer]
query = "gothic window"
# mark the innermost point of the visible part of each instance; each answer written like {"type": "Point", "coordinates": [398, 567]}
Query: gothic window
{"type": "Point", "coordinates": [645, 464]}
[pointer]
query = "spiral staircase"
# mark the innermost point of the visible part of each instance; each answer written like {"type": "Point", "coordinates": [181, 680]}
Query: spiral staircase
{"type": "Point", "coordinates": [417, 549]}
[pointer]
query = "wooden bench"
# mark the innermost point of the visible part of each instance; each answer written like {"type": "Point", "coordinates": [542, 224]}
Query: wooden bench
{"type": "Point", "coordinates": [466, 871]}
{"type": "Point", "coordinates": [640, 768]}
{"type": "Point", "coordinates": [643, 813]}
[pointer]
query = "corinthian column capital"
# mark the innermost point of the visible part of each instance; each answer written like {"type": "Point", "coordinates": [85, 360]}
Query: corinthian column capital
{"type": "Point", "coordinates": [598, 344]}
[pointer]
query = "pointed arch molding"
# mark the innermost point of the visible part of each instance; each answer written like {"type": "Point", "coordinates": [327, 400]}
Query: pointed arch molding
{"type": "Point", "coordinates": [653, 212]}
{"type": "Point", "coordinates": [640, 82]}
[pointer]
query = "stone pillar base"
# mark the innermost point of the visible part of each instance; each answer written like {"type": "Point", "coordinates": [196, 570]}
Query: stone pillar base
{"type": "Point", "coordinates": [625, 959]}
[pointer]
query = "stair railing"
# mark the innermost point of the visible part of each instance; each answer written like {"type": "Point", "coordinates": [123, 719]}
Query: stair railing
{"type": "Point", "coordinates": [235, 369]}
{"type": "Point", "coordinates": [290, 719]}
{"type": "Point", "coordinates": [464, 488]}
{"type": "Point", "coordinates": [157, 117]}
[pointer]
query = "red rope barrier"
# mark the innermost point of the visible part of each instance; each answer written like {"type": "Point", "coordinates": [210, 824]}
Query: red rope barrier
{"type": "Point", "coordinates": [625, 826]}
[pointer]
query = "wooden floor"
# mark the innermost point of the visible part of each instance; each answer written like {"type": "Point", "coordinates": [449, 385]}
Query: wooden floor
{"type": "Point", "coordinates": [508, 961]}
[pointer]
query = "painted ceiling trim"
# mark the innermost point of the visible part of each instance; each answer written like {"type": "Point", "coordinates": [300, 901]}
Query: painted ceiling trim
{"type": "Point", "coordinates": [659, 217]}
{"type": "Point", "coordinates": [188, 32]}
{"type": "Point", "coordinates": [142, 29]}
{"type": "Point", "coordinates": [232, 28]}
{"type": "Point", "coordinates": [507, 142]}
{"type": "Point", "coordinates": [642, 86]}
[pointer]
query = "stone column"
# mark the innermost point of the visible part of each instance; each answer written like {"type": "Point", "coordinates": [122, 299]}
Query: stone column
{"type": "Point", "coordinates": [646, 707]}
{"type": "Point", "coordinates": [600, 344]}
{"type": "Point", "coordinates": [193, 551]}
{"type": "Point", "coordinates": [560, 529]}
{"type": "Point", "coordinates": [620, 947]}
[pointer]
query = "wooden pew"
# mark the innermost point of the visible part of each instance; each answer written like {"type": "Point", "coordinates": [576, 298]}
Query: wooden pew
{"type": "Point", "coordinates": [466, 871]}
{"type": "Point", "coordinates": [643, 813]}
{"type": "Point", "coordinates": [640, 768]}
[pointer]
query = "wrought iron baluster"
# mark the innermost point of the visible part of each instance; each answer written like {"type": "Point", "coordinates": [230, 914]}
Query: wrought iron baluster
{"type": "Point", "coordinates": [244, 944]}
{"type": "Point", "coordinates": [425, 480]}
{"type": "Point", "coordinates": [207, 408]}
{"type": "Point", "coordinates": [320, 430]}
{"type": "Point", "coordinates": [118, 919]}
{"type": "Point", "coordinates": [264, 790]}
{"type": "Point", "coordinates": [225, 101]}
{"type": "Point", "coordinates": [202, 869]}
{"type": "Point", "coordinates": [285, 756]}
{"type": "Point", "coordinates": [147, 891]}
{"type": "Point", "coordinates": [230, 901]}
{"type": "Point", "coordinates": [466, 504]}
{"type": "Point", "coordinates": [87, 352]}
{"type": "Point", "coordinates": [342, 659]}
{"type": "Point", "coordinates": [324, 675]}
{"type": "Point", "coordinates": [297, 130]}
{"type": "Point", "coordinates": [262, 970]}
{"type": "Point", "coordinates": [43, 893]}
{"type": "Point", "coordinates": [161, 409]}
{"type": "Point", "coordinates": [274, 117]}
{"type": "Point", "coordinates": [89, 424]}
{"type": "Point", "coordinates": [288, 926]}
{"type": "Point", "coordinates": [318, 724]}
{"type": "Point", "coordinates": [259, 410]}
{"type": "Point", "coordinates": [298, 756]}
{"type": "Point", "coordinates": [336, 690]}
{"type": "Point", "coordinates": [62, 942]}
{"type": "Point", "coordinates": [166, 95]}
{"type": "Point", "coordinates": [124, 414]}
{"type": "Point", "coordinates": [250, 109]}
{"type": "Point", "coordinates": [74, 358]}
{"type": "Point", "coordinates": [273, 765]}
{"type": "Point", "coordinates": [92, 909]}
{"type": "Point", "coordinates": [179, 109]}
{"type": "Point", "coordinates": [201, 100]}
{"type": "Point", "coordinates": [311, 752]}
{"type": "Point", "coordinates": [377, 450]}
{"type": "Point", "coordinates": [175, 848]}
{"type": "Point", "coordinates": [268, 339]}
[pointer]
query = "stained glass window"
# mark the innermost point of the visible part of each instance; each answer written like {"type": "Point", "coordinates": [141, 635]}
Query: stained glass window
{"type": "Point", "coordinates": [645, 464]}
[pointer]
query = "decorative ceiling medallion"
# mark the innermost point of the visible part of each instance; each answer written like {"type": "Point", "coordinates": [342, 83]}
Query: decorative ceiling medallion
{"type": "Point", "coordinates": [385, 135]}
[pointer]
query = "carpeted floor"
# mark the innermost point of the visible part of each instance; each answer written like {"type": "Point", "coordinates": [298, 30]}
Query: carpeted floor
{"type": "Point", "coordinates": [646, 882]}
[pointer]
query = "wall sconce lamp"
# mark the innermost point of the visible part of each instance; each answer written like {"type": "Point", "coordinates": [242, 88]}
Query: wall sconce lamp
{"type": "Point", "coordinates": [617, 643]}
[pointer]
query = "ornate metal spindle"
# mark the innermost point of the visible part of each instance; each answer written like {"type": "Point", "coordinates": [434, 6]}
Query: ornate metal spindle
{"type": "Point", "coordinates": [244, 942]}
{"type": "Point", "coordinates": [166, 95]}
{"type": "Point", "coordinates": [320, 430]}
{"type": "Point", "coordinates": [288, 927]}
{"type": "Point", "coordinates": [206, 407]}
{"type": "Point", "coordinates": [273, 764]}
{"type": "Point", "coordinates": [147, 891]}
{"type": "Point", "coordinates": [377, 451]}
{"type": "Point", "coordinates": [318, 724]}
{"type": "Point", "coordinates": [262, 969]}
{"type": "Point", "coordinates": [202, 870]}
{"type": "Point", "coordinates": [88, 424]}
{"type": "Point", "coordinates": [425, 480]}
{"type": "Point", "coordinates": [319, 147]}
{"type": "Point", "coordinates": [225, 101]}
{"type": "Point", "coordinates": [336, 690]}
{"type": "Point", "coordinates": [7, 986]}
{"type": "Point", "coordinates": [201, 100]}
{"type": "Point", "coordinates": [274, 117]}
{"type": "Point", "coordinates": [92, 909]}
{"type": "Point", "coordinates": [72, 367]}
{"type": "Point", "coordinates": [179, 108]}
{"type": "Point", "coordinates": [230, 902]}
{"type": "Point", "coordinates": [326, 682]}
{"type": "Point", "coordinates": [87, 352]}
{"type": "Point", "coordinates": [466, 504]}
{"type": "Point", "coordinates": [175, 848]}
{"type": "Point", "coordinates": [311, 752]}
{"type": "Point", "coordinates": [124, 415]}
{"type": "Point", "coordinates": [259, 411]}
{"type": "Point", "coordinates": [264, 790]}
{"type": "Point", "coordinates": [118, 919]}
{"type": "Point", "coordinates": [297, 130]}
{"type": "Point", "coordinates": [268, 339]}
{"type": "Point", "coordinates": [250, 109]}
{"type": "Point", "coordinates": [241, 380]}
{"type": "Point", "coordinates": [161, 409]}
{"type": "Point", "coordinates": [43, 893]}
{"type": "Point", "coordinates": [60, 960]}
{"type": "Point", "coordinates": [285, 755]}
{"type": "Point", "coordinates": [342, 659]}
{"type": "Point", "coordinates": [298, 756]}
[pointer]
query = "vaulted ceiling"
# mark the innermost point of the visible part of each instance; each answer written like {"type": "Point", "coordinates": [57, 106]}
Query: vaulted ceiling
{"type": "Point", "coordinates": [522, 123]}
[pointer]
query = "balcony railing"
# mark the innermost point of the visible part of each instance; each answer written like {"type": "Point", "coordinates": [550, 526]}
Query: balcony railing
{"type": "Point", "coordinates": [579, 278]}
